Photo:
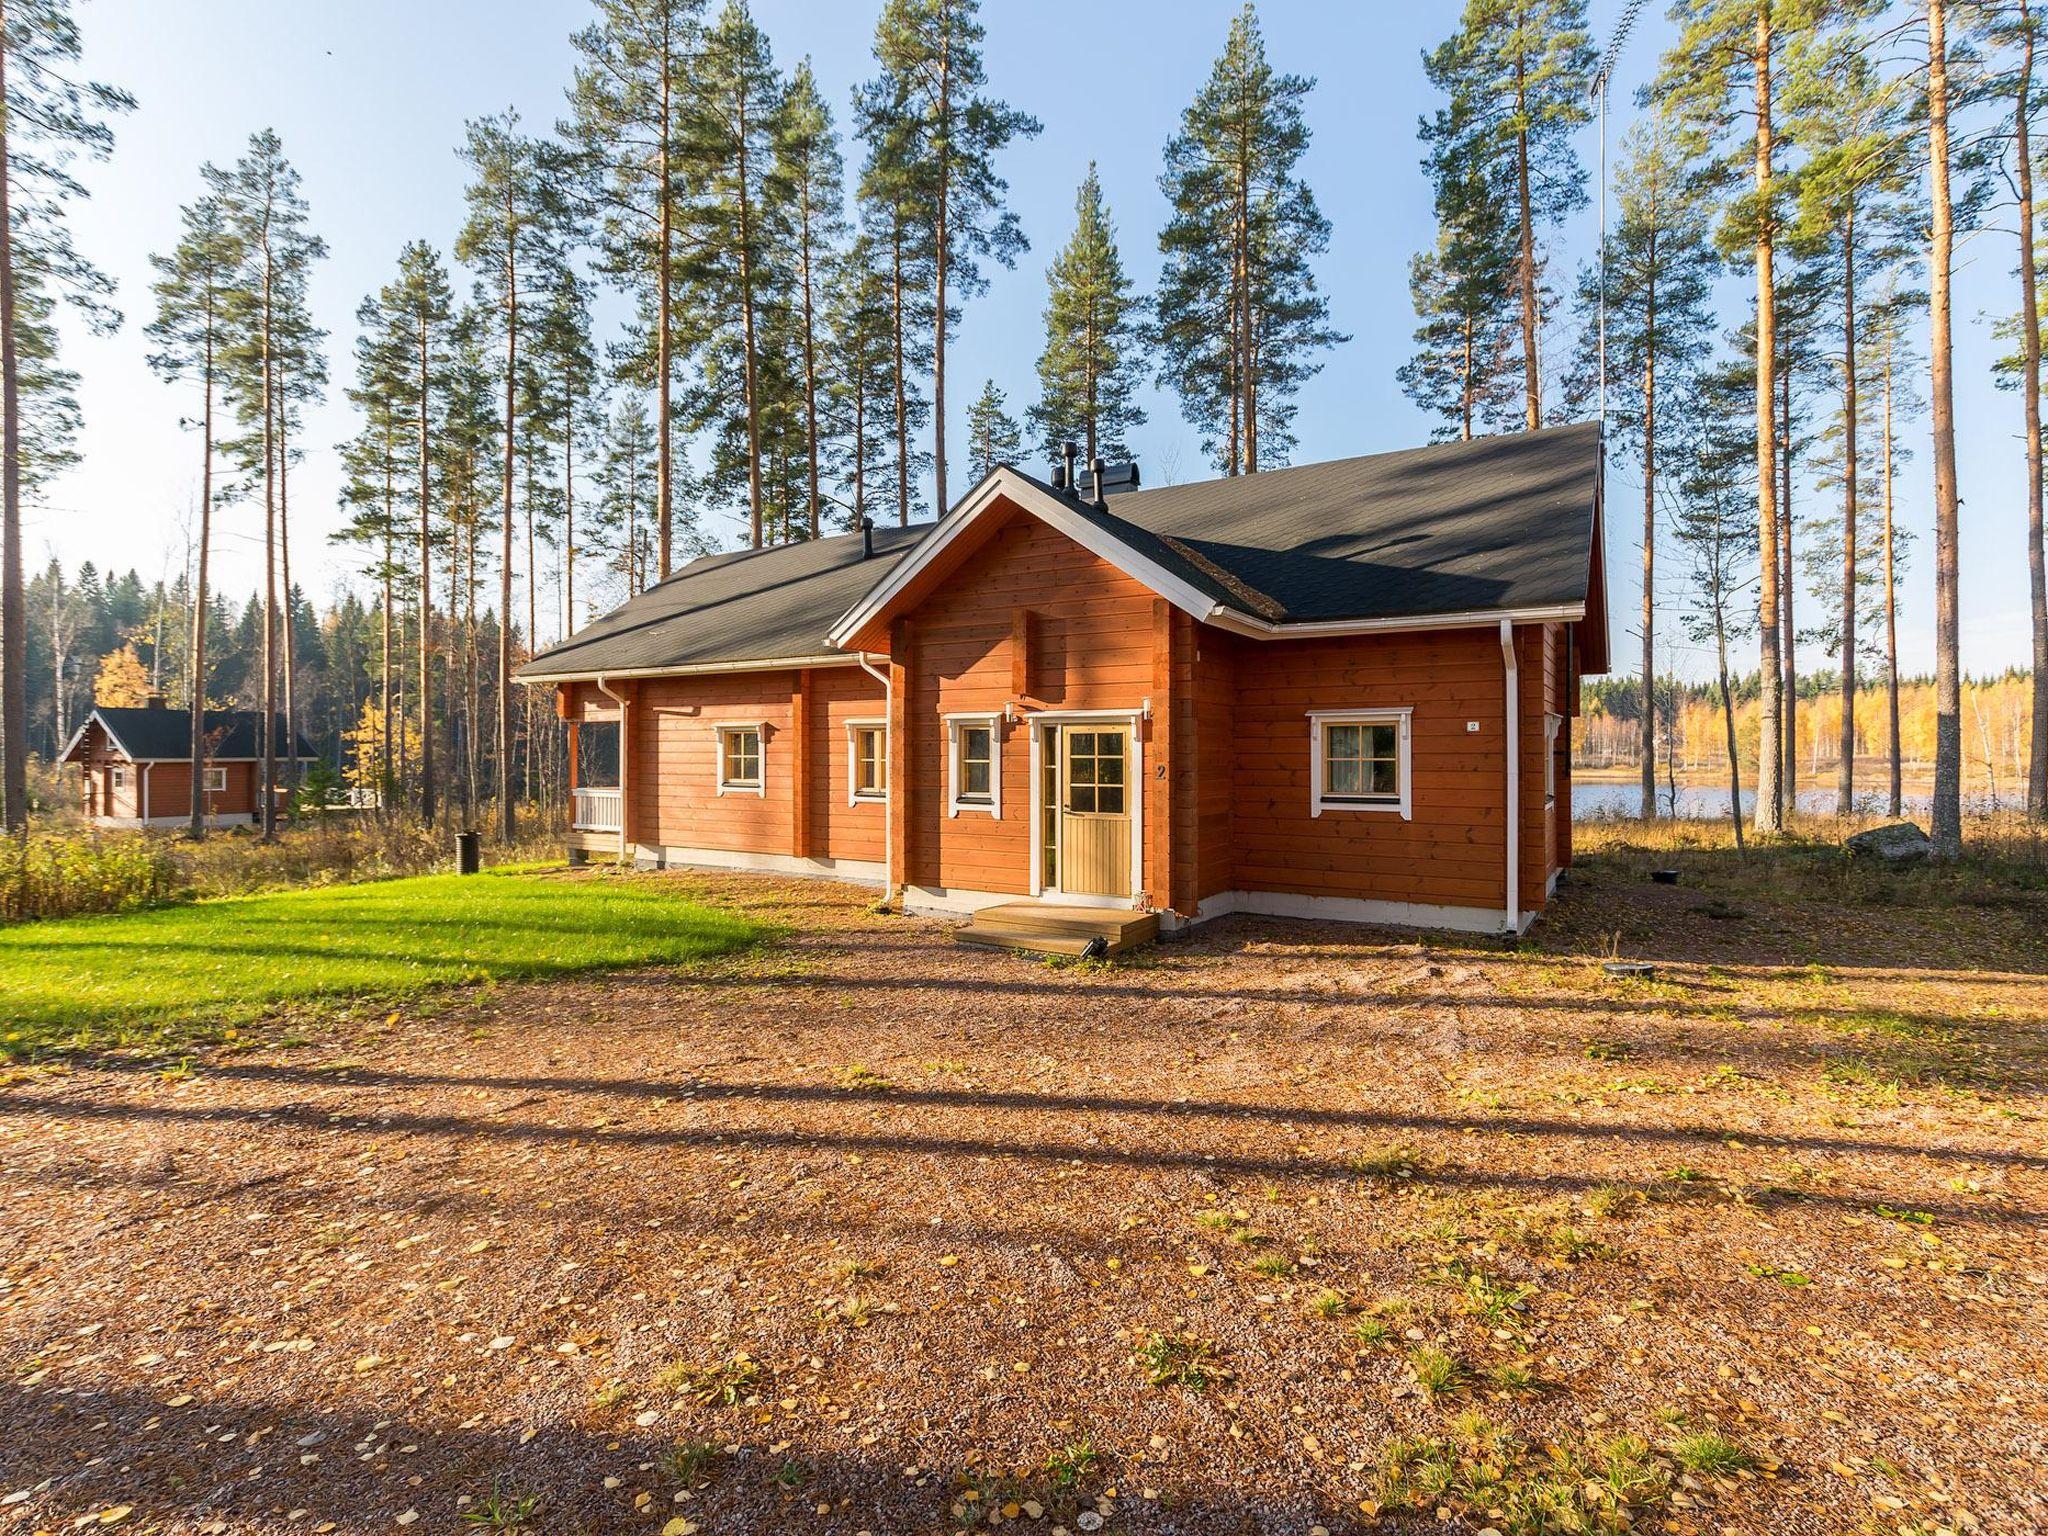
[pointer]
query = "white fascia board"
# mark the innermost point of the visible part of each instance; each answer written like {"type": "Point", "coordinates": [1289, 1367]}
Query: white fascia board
{"type": "Point", "coordinates": [697, 669]}
{"type": "Point", "coordinates": [1477, 618]}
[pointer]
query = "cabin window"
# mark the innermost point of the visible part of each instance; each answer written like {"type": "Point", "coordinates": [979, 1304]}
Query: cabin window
{"type": "Point", "coordinates": [119, 778]}
{"type": "Point", "coordinates": [1359, 761]}
{"type": "Point", "coordinates": [973, 770]}
{"type": "Point", "coordinates": [216, 781]}
{"type": "Point", "coordinates": [867, 761]}
{"type": "Point", "coordinates": [739, 760]}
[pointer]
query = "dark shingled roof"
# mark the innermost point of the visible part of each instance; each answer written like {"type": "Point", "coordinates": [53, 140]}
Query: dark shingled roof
{"type": "Point", "coordinates": [1499, 523]}
{"type": "Point", "coordinates": [749, 605]}
{"type": "Point", "coordinates": [164, 735]}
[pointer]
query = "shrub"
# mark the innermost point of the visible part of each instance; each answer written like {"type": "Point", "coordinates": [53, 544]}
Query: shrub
{"type": "Point", "coordinates": [69, 875]}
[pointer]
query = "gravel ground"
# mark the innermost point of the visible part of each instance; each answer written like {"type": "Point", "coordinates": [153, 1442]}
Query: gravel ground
{"type": "Point", "coordinates": [866, 1232]}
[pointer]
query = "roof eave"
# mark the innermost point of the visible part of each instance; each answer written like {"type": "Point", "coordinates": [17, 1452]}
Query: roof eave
{"type": "Point", "coordinates": [693, 669]}
{"type": "Point", "coordinates": [1223, 617]}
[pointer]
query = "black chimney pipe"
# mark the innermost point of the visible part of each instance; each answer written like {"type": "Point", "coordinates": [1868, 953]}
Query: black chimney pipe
{"type": "Point", "coordinates": [867, 538]}
{"type": "Point", "coordinates": [1070, 452]}
{"type": "Point", "coordinates": [1095, 469]}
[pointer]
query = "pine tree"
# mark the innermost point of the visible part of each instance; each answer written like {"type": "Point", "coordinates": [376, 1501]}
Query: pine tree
{"type": "Point", "coordinates": [861, 399]}
{"type": "Point", "coordinates": [1092, 364]}
{"type": "Point", "coordinates": [267, 216]}
{"type": "Point", "coordinates": [1659, 297]}
{"type": "Point", "coordinates": [808, 163]}
{"type": "Point", "coordinates": [512, 239]}
{"type": "Point", "coordinates": [1239, 316]}
{"type": "Point", "coordinates": [1853, 122]}
{"type": "Point", "coordinates": [940, 137]}
{"type": "Point", "coordinates": [627, 104]}
{"type": "Point", "coordinates": [993, 436]}
{"type": "Point", "coordinates": [624, 515]}
{"type": "Point", "coordinates": [1461, 287]}
{"type": "Point", "coordinates": [192, 294]}
{"type": "Point", "coordinates": [1517, 73]}
{"type": "Point", "coordinates": [731, 271]}
{"type": "Point", "coordinates": [894, 252]}
{"type": "Point", "coordinates": [49, 118]}
{"type": "Point", "coordinates": [1717, 81]}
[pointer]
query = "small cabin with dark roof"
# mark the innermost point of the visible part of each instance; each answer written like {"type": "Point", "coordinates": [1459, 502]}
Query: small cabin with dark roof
{"type": "Point", "coordinates": [135, 765]}
{"type": "Point", "coordinates": [1341, 690]}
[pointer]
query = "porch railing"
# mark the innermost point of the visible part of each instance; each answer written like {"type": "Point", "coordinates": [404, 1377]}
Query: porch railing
{"type": "Point", "coordinates": [597, 810]}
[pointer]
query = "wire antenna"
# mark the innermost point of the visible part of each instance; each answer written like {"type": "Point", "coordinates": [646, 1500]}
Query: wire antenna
{"type": "Point", "coordinates": [1598, 90]}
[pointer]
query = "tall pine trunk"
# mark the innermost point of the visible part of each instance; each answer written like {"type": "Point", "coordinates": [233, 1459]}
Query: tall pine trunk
{"type": "Point", "coordinates": [196, 825]}
{"type": "Point", "coordinates": [568, 503]}
{"type": "Point", "coordinates": [13, 616]}
{"type": "Point", "coordinates": [1788, 633]}
{"type": "Point", "coordinates": [1845, 769]}
{"type": "Point", "coordinates": [426, 552]}
{"type": "Point", "coordinates": [896, 299]}
{"type": "Point", "coordinates": [1532, 375]}
{"type": "Point", "coordinates": [506, 826]}
{"type": "Point", "coordinates": [1947, 816]}
{"type": "Point", "coordinates": [664, 472]}
{"type": "Point", "coordinates": [752, 367]}
{"type": "Point", "coordinates": [1769, 806]}
{"type": "Point", "coordinates": [1649, 700]}
{"type": "Point", "coordinates": [810, 359]}
{"type": "Point", "coordinates": [2030, 344]}
{"type": "Point", "coordinates": [269, 689]}
{"type": "Point", "coordinates": [944, 255]}
{"type": "Point", "coordinates": [284, 560]}
{"type": "Point", "coordinates": [1897, 786]}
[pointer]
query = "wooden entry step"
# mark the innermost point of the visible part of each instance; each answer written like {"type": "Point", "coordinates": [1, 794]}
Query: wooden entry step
{"type": "Point", "coordinates": [1039, 928]}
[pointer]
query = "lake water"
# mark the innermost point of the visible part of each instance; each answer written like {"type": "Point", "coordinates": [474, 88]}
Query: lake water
{"type": "Point", "coordinates": [1624, 801]}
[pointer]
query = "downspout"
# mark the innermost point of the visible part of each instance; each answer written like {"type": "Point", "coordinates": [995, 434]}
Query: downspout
{"type": "Point", "coordinates": [889, 750]}
{"type": "Point", "coordinates": [625, 757]}
{"type": "Point", "coordinates": [1514, 808]}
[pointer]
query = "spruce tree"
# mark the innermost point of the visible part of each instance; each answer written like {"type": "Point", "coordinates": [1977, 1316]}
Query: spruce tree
{"type": "Point", "coordinates": [632, 82]}
{"type": "Point", "coordinates": [190, 333]}
{"type": "Point", "coordinates": [993, 436]}
{"type": "Point", "coordinates": [1518, 74]}
{"type": "Point", "coordinates": [49, 118]}
{"type": "Point", "coordinates": [1659, 297]}
{"type": "Point", "coordinates": [622, 521]}
{"type": "Point", "coordinates": [940, 136]}
{"type": "Point", "coordinates": [1093, 362]}
{"type": "Point", "coordinates": [1239, 316]}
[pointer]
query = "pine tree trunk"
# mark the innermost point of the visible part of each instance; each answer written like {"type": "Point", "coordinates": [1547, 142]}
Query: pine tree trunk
{"type": "Point", "coordinates": [2030, 344]}
{"type": "Point", "coordinates": [284, 558]}
{"type": "Point", "coordinates": [1246, 378]}
{"type": "Point", "coordinates": [384, 754]}
{"type": "Point", "coordinates": [1946, 819]}
{"type": "Point", "coordinates": [1465, 385]}
{"type": "Point", "coordinates": [13, 615]}
{"type": "Point", "coordinates": [506, 825]}
{"type": "Point", "coordinates": [568, 505]}
{"type": "Point", "coordinates": [426, 646]}
{"type": "Point", "coordinates": [1788, 783]}
{"type": "Point", "coordinates": [902, 400]}
{"type": "Point", "coordinates": [664, 476]}
{"type": "Point", "coordinates": [1532, 374]}
{"type": "Point", "coordinates": [810, 357]}
{"type": "Point", "coordinates": [944, 254]}
{"type": "Point", "coordinates": [1649, 713]}
{"type": "Point", "coordinates": [195, 827]}
{"type": "Point", "coordinates": [1896, 805]}
{"type": "Point", "coordinates": [269, 809]}
{"type": "Point", "coordinates": [1769, 807]}
{"type": "Point", "coordinates": [750, 370]}
{"type": "Point", "coordinates": [1845, 769]}
{"type": "Point", "coordinates": [1727, 708]}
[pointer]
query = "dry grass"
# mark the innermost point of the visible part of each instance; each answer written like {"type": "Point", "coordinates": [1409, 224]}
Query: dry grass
{"type": "Point", "coordinates": [548, 1240]}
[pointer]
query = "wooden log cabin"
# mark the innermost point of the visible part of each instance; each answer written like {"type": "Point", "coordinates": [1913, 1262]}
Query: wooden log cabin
{"type": "Point", "coordinates": [1341, 690]}
{"type": "Point", "coordinates": [135, 765]}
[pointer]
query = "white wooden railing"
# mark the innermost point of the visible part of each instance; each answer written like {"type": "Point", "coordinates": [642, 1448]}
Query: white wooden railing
{"type": "Point", "coordinates": [597, 810]}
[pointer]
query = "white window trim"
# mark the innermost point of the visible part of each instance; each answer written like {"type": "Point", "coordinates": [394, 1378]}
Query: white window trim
{"type": "Point", "coordinates": [118, 778]}
{"type": "Point", "coordinates": [1404, 802]}
{"type": "Point", "coordinates": [993, 806]}
{"type": "Point", "coordinates": [855, 795]}
{"type": "Point", "coordinates": [1552, 724]}
{"type": "Point", "coordinates": [719, 729]}
{"type": "Point", "coordinates": [216, 782]}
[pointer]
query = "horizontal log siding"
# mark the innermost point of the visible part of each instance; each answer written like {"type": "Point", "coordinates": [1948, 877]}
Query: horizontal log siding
{"type": "Point", "coordinates": [840, 830]}
{"type": "Point", "coordinates": [672, 781]}
{"type": "Point", "coordinates": [1453, 851]}
{"type": "Point", "coordinates": [1214, 711]}
{"type": "Point", "coordinates": [1092, 635]}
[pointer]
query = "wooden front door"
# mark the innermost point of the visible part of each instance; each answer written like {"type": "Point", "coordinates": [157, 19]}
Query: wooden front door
{"type": "Point", "coordinates": [1095, 810]}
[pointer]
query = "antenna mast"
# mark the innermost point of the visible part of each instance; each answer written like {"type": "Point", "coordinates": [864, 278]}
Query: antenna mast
{"type": "Point", "coordinates": [1598, 90]}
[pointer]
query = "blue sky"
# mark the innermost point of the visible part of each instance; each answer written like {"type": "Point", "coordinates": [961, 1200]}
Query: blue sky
{"type": "Point", "coordinates": [370, 96]}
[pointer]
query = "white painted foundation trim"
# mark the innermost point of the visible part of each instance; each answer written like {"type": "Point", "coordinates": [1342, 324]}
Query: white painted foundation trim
{"type": "Point", "coordinates": [1352, 909]}
{"type": "Point", "coordinates": [951, 901]}
{"type": "Point", "coordinates": [859, 871]}
{"type": "Point", "coordinates": [131, 823]}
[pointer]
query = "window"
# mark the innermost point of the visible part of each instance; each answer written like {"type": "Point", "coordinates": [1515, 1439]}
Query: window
{"type": "Point", "coordinates": [120, 778]}
{"type": "Point", "coordinates": [1359, 761]}
{"type": "Point", "coordinates": [867, 761]}
{"type": "Point", "coordinates": [1553, 727]}
{"type": "Point", "coordinates": [973, 769]}
{"type": "Point", "coordinates": [739, 760]}
{"type": "Point", "coordinates": [216, 781]}
{"type": "Point", "coordinates": [1095, 772]}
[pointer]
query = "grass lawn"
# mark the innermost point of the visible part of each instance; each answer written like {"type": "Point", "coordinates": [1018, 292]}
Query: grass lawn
{"type": "Point", "coordinates": [185, 972]}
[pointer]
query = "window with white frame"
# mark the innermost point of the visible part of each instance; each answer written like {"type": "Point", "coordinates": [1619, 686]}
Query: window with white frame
{"type": "Point", "coordinates": [739, 760]}
{"type": "Point", "coordinates": [1359, 761]}
{"type": "Point", "coordinates": [216, 781]}
{"type": "Point", "coordinates": [867, 761]}
{"type": "Point", "coordinates": [974, 779]}
{"type": "Point", "coordinates": [119, 778]}
{"type": "Point", "coordinates": [1553, 725]}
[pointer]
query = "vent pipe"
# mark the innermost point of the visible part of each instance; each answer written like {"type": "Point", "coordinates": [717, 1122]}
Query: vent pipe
{"type": "Point", "coordinates": [1069, 452]}
{"type": "Point", "coordinates": [867, 538]}
{"type": "Point", "coordinates": [1096, 493]}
